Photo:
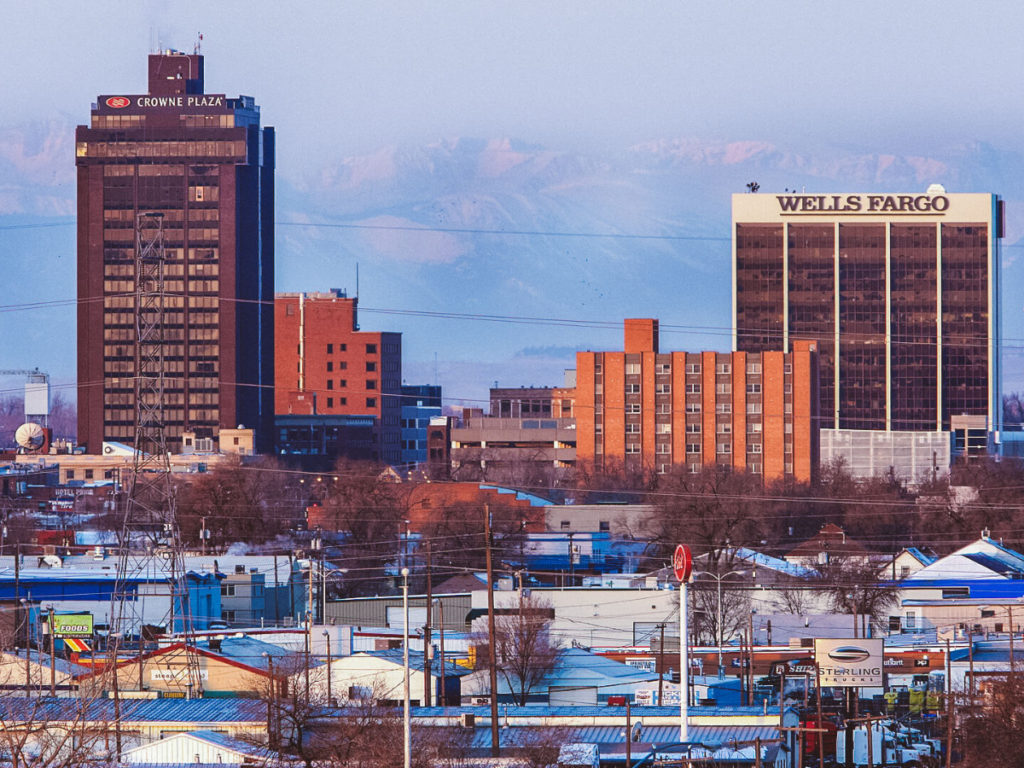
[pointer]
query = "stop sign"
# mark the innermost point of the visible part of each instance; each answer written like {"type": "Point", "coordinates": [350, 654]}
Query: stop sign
{"type": "Point", "coordinates": [682, 563]}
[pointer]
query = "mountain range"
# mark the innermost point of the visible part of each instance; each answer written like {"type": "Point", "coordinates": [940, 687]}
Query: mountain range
{"type": "Point", "coordinates": [516, 254]}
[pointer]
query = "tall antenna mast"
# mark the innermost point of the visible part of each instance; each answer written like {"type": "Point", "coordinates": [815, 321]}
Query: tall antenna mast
{"type": "Point", "coordinates": [150, 499]}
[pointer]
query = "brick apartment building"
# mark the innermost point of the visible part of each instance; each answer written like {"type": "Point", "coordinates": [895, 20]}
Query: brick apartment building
{"type": "Point", "coordinates": [753, 411]}
{"type": "Point", "coordinates": [325, 366]}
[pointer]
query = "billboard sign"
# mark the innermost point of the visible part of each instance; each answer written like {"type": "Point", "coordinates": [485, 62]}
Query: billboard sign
{"type": "Point", "coordinates": [72, 625]}
{"type": "Point", "coordinates": [849, 662]}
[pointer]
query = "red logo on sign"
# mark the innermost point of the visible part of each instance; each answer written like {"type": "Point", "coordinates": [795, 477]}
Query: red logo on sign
{"type": "Point", "coordinates": [682, 563]}
{"type": "Point", "coordinates": [118, 102]}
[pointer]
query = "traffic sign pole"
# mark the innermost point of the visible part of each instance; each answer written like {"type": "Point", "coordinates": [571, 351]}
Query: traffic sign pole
{"type": "Point", "coordinates": [682, 565]}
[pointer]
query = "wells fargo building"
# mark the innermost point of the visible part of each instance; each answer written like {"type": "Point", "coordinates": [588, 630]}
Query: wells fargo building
{"type": "Point", "coordinates": [900, 292]}
{"type": "Point", "coordinates": [203, 164]}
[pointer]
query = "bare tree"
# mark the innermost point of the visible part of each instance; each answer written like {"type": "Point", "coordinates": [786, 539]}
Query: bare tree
{"type": "Point", "coordinates": [704, 601]}
{"type": "Point", "coordinates": [853, 587]}
{"type": "Point", "coordinates": [992, 733]}
{"type": "Point", "coordinates": [237, 500]}
{"type": "Point", "coordinates": [714, 511]}
{"type": "Point", "coordinates": [525, 653]}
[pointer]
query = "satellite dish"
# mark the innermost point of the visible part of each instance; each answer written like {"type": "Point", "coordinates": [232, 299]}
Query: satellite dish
{"type": "Point", "coordinates": [30, 436]}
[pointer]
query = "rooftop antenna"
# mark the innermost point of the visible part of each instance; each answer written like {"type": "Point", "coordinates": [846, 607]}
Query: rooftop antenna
{"type": "Point", "coordinates": [357, 281]}
{"type": "Point", "coordinates": [435, 369]}
{"type": "Point", "coordinates": [199, 44]}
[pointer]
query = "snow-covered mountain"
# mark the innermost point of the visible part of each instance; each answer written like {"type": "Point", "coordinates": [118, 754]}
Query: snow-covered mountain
{"type": "Point", "coordinates": [496, 228]}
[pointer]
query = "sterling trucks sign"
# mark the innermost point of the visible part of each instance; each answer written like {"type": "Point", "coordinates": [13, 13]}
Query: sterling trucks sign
{"type": "Point", "coordinates": [849, 663]}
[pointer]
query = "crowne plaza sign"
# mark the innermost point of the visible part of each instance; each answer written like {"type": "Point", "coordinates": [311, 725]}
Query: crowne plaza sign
{"type": "Point", "coordinates": [830, 204]}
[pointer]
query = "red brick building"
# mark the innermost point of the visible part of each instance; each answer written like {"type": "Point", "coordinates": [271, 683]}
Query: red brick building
{"type": "Point", "coordinates": [754, 411]}
{"type": "Point", "coordinates": [325, 365]}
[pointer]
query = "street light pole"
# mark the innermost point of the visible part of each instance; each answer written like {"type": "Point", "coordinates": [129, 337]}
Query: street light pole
{"type": "Point", "coordinates": [406, 715]}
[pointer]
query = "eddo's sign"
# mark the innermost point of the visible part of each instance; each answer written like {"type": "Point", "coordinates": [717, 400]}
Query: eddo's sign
{"type": "Point", "coordinates": [849, 662]}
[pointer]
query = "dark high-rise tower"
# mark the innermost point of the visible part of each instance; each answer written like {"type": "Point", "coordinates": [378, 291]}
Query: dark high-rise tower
{"type": "Point", "coordinates": [901, 294]}
{"type": "Point", "coordinates": [203, 162]}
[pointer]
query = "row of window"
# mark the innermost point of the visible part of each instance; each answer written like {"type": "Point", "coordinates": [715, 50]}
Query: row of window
{"type": "Point", "coordinates": [694, 368]}
{"type": "Point", "coordinates": [371, 349]}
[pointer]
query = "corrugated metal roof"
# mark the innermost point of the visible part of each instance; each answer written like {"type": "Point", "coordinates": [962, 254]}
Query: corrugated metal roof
{"type": "Point", "coordinates": [613, 735]}
{"type": "Point", "coordinates": [15, 708]}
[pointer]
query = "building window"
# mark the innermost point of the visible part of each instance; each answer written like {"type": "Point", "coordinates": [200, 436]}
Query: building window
{"type": "Point", "coordinates": [598, 428]}
{"type": "Point", "coordinates": [787, 408]}
{"type": "Point", "coordinates": [754, 468]}
{"type": "Point", "coordinates": [753, 367]}
{"type": "Point", "coordinates": [788, 428]}
{"type": "Point", "coordinates": [753, 407]}
{"type": "Point", "coordinates": [693, 447]}
{"type": "Point", "coordinates": [371, 349]}
{"type": "Point", "coordinates": [598, 368]}
{"type": "Point", "coordinates": [632, 448]}
{"type": "Point", "coordinates": [371, 367]}
{"type": "Point", "coordinates": [787, 388]}
{"type": "Point", "coordinates": [604, 526]}
{"type": "Point", "coordinates": [787, 367]}
{"type": "Point", "coordinates": [663, 429]}
{"type": "Point", "coordinates": [330, 383]}
{"type": "Point", "coordinates": [663, 389]}
{"type": "Point", "coordinates": [371, 402]}
{"type": "Point", "coordinates": [343, 347]}
{"type": "Point", "coordinates": [788, 467]}
{"type": "Point", "coordinates": [662, 448]}
{"type": "Point", "coordinates": [724, 429]}
{"type": "Point", "coordinates": [724, 388]}
{"type": "Point", "coordinates": [228, 590]}
{"type": "Point", "coordinates": [633, 408]}
{"type": "Point", "coordinates": [632, 389]}
{"type": "Point", "coordinates": [666, 408]}
{"type": "Point", "coordinates": [565, 525]}
{"type": "Point", "coordinates": [330, 366]}
{"type": "Point", "coordinates": [342, 401]}
{"type": "Point", "coordinates": [693, 428]}
{"type": "Point", "coordinates": [695, 469]}
{"type": "Point", "coordinates": [753, 388]}
{"type": "Point", "coordinates": [632, 368]}
{"type": "Point", "coordinates": [371, 383]}
{"type": "Point", "coordinates": [754, 448]}
{"type": "Point", "coordinates": [330, 402]}
{"type": "Point", "coordinates": [662, 368]}
{"type": "Point", "coordinates": [693, 389]}
{"type": "Point", "coordinates": [693, 407]}
{"type": "Point", "coordinates": [723, 408]}
{"type": "Point", "coordinates": [753, 427]}
{"type": "Point", "coordinates": [693, 367]}
{"type": "Point", "coordinates": [342, 383]}
{"type": "Point", "coordinates": [723, 448]}
{"type": "Point", "coordinates": [342, 365]}
{"type": "Point", "coordinates": [723, 368]}
{"type": "Point", "coordinates": [330, 349]}
{"type": "Point", "coordinates": [632, 429]}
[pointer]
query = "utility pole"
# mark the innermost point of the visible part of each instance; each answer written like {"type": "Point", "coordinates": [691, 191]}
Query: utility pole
{"type": "Point", "coordinates": [53, 657]}
{"type": "Point", "coordinates": [427, 665]}
{"type": "Point", "coordinates": [661, 666]}
{"type": "Point", "coordinates": [492, 635]}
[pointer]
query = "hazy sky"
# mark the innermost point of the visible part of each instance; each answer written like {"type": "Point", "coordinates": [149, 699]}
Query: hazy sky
{"type": "Point", "coordinates": [345, 77]}
{"type": "Point", "coordinates": [339, 79]}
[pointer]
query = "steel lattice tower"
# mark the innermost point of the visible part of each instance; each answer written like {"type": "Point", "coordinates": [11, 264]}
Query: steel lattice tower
{"type": "Point", "coordinates": [150, 499]}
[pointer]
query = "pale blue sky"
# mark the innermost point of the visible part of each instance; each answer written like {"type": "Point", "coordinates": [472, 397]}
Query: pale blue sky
{"type": "Point", "coordinates": [345, 77]}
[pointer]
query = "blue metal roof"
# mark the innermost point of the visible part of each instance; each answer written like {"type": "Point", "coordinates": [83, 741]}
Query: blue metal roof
{"type": "Point", "coordinates": [136, 710]}
{"type": "Point", "coordinates": [978, 588]}
{"type": "Point", "coordinates": [543, 710]}
{"type": "Point", "coordinates": [535, 501]}
{"type": "Point", "coordinates": [613, 735]}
